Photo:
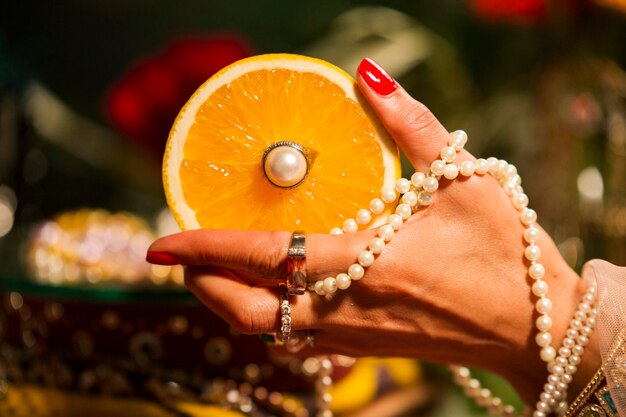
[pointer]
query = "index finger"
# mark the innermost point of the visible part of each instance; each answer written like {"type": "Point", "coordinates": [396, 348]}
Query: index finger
{"type": "Point", "coordinates": [258, 254]}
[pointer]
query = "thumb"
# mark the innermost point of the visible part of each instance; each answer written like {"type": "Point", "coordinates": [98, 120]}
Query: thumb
{"type": "Point", "coordinates": [415, 129]}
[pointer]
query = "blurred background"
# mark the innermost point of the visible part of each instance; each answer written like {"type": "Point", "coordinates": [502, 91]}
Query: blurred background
{"type": "Point", "coordinates": [88, 91]}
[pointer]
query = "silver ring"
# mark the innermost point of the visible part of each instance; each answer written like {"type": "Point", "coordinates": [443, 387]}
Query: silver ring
{"type": "Point", "coordinates": [285, 314]}
{"type": "Point", "coordinates": [296, 264]}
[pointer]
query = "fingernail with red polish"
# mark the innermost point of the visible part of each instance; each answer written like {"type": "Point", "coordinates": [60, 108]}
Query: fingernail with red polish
{"type": "Point", "coordinates": [162, 258]}
{"type": "Point", "coordinates": [376, 77]}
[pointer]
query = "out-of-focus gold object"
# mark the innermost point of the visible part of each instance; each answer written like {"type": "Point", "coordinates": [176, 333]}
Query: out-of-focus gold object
{"type": "Point", "coordinates": [90, 246]}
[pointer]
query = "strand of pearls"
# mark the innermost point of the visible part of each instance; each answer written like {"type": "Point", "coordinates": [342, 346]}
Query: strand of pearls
{"type": "Point", "coordinates": [563, 368]}
{"type": "Point", "coordinates": [417, 193]}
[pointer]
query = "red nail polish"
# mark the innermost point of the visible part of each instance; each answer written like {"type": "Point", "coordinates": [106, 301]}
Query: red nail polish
{"type": "Point", "coordinates": [376, 77]}
{"type": "Point", "coordinates": [161, 258]}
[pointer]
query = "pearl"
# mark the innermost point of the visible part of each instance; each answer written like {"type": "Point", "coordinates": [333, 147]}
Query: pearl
{"type": "Point", "coordinates": [285, 166]}
{"type": "Point", "coordinates": [585, 307]}
{"type": "Point", "coordinates": [363, 216]}
{"type": "Point", "coordinates": [457, 139]}
{"type": "Point", "coordinates": [448, 154]}
{"type": "Point", "coordinates": [587, 331]}
{"type": "Point", "coordinates": [531, 234]}
{"type": "Point", "coordinates": [567, 378]}
{"type": "Point", "coordinates": [438, 167]}
{"type": "Point", "coordinates": [532, 252]}
{"type": "Point", "coordinates": [418, 179]}
{"type": "Point", "coordinates": [553, 379]}
{"type": "Point", "coordinates": [467, 168]}
{"type": "Point", "coordinates": [510, 171]}
{"type": "Point", "coordinates": [377, 206]}
{"type": "Point", "coordinates": [350, 226]}
{"type": "Point", "coordinates": [336, 231]}
{"type": "Point", "coordinates": [576, 324]}
{"type": "Point", "coordinates": [547, 354]}
{"type": "Point", "coordinates": [410, 198]}
{"type": "Point", "coordinates": [404, 210]}
{"type": "Point", "coordinates": [501, 167]}
{"type": "Point", "coordinates": [536, 271]}
{"type": "Point", "coordinates": [571, 333]}
{"type": "Point", "coordinates": [403, 185]}
{"type": "Point", "coordinates": [543, 339]}
{"type": "Point", "coordinates": [377, 245]}
{"type": "Point", "coordinates": [520, 200]}
{"type": "Point", "coordinates": [356, 272]}
{"type": "Point", "coordinates": [330, 285]}
{"type": "Point", "coordinates": [493, 164]}
{"type": "Point", "coordinates": [366, 258]}
{"type": "Point", "coordinates": [528, 216]}
{"type": "Point", "coordinates": [578, 350]}
{"type": "Point", "coordinates": [543, 305]}
{"type": "Point", "coordinates": [482, 166]}
{"type": "Point", "coordinates": [549, 387]}
{"type": "Point", "coordinates": [319, 288]}
{"type": "Point", "coordinates": [543, 407]}
{"type": "Point", "coordinates": [395, 221]}
{"type": "Point", "coordinates": [343, 281]}
{"type": "Point", "coordinates": [568, 342]}
{"type": "Point", "coordinates": [583, 340]}
{"type": "Point", "coordinates": [537, 413]}
{"type": "Point", "coordinates": [388, 195]}
{"type": "Point", "coordinates": [431, 184]}
{"type": "Point", "coordinates": [386, 232]}
{"type": "Point", "coordinates": [425, 198]}
{"type": "Point", "coordinates": [540, 288]}
{"type": "Point", "coordinates": [571, 369]}
{"type": "Point", "coordinates": [544, 323]}
{"type": "Point", "coordinates": [560, 361]}
{"type": "Point", "coordinates": [544, 396]}
{"type": "Point", "coordinates": [565, 352]}
{"type": "Point", "coordinates": [451, 172]}
{"type": "Point", "coordinates": [575, 359]}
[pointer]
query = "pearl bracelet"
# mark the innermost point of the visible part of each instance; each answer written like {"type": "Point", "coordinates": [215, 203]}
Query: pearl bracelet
{"type": "Point", "coordinates": [417, 193]}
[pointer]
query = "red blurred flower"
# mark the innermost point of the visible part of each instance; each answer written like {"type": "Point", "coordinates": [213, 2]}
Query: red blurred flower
{"type": "Point", "coordinates": [144, 101]}
{"type": "Point", "coordinates": [525, 12]}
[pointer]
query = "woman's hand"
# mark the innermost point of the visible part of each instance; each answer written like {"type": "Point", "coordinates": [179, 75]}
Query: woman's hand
{"type": "Point", "coordinates": [451, 286]}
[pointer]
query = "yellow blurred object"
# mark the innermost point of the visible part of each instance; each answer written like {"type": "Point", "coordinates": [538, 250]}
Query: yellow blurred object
{"type": "Point", "coordinates": [29, 401]}
{"type": "Point", "coordinates": [614, 4]}
{"type": "Point", "coordinates": [276, 142]}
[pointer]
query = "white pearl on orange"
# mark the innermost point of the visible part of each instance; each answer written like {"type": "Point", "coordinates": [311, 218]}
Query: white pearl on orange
{"type": "Point", "coordinates": [543, 339]}
{"type": "Point", "coordinates": [544, 323]}
{"type": "Point", "coordinates": [403, 185]}
{"type": "Point", "coordinates": [388, 195]}
{"type": "Point", "coordinates": [377, 245]}
{"type": "Point", "coordinates": [363, 216]}
{"type": "Point", "coordinates": [319, 287]}
{"type": "Point", "coordinates": [356, 272]}
{"type": "Point", "coordinates": [285, 166]}
{"type": "Point", "coordinates": [350, 226]}
{"type": "Point", "coordinates": [377, 206]}
{"type": "Point", "coordinates": [438, 167]}
{"type": "Point", "coordinates": [547, 353]}
{"type": "Point", "coordinates": [540, 288]}
{"type": "Point", "coordinates": [336, 231]}
{"type": "Point", "coordinates": [520, 200]}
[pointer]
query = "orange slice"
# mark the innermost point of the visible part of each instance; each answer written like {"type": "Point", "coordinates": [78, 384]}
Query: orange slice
{"type": "Point", "coordinates": [224, 166]}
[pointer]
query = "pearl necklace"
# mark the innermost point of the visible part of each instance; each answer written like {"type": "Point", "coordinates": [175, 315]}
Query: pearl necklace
{"type": "Point", "coordinates": [417, 193]}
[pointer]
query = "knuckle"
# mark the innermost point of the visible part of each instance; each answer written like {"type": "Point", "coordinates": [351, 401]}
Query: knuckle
{"type": "Point", "coordinates": [268, 256]}
{"type": "Point", "coordinates": [417, 120]}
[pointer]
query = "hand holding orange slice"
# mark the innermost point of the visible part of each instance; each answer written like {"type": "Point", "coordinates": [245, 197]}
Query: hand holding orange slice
{"type": "Point", "coordinates": [276, 142]}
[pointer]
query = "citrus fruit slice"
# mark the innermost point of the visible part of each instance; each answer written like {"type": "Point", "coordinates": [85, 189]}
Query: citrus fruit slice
{"type": "Point", "coordinates": [276, 142]}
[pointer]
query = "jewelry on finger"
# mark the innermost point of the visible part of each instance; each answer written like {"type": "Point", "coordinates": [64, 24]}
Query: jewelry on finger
{"type": "Point", "coordinates": [296, 264]}
{"type": "Point", "coordinates": [285, 314]}
{"type": "Point", "coordinates": [299, 340]}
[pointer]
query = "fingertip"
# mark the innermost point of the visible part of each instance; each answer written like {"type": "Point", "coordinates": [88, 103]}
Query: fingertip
{"type": "Point", "coordinates": [376, 77]}
{"type": "Point", "coordinates": [161, 258]}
